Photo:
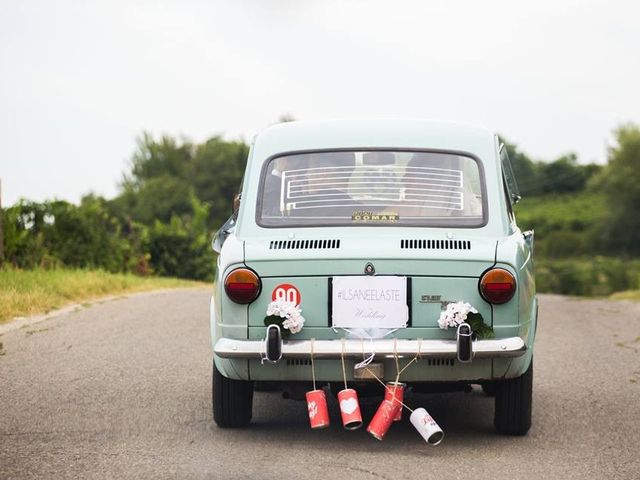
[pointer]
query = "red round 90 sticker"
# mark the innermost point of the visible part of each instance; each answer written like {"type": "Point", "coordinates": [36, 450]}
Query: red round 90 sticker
{"type": "Point", "coordinates": [287, 292]}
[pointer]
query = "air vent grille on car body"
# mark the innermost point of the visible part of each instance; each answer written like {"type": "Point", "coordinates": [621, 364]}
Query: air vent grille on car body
{"type": "Point", "coordinates": [440, 362]}
{"type": "Point", "coordinates": [437, 244]}
{"type": "Point", "coordinates": [303, 244]}
{"type": "Point", "coordinates": [298, 362]}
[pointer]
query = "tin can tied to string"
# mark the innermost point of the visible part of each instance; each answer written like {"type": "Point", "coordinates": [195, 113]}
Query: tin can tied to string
{"type": "Point", "coordinates": [348, 401]}
{"type": "Point", "coordinates": [390, 407]}
{"type": "Point", "coordinates": [350, 409]}
{"type": "Point", "coordinates": [426, 426]}
{"type": "Point", "coordinates": [387, 412]}
{"type": "Point", "coordinates": [317, 407]}
{"type": "Point", "coordinates": [382, 420]}
{"type": "Point", "coordinates": [394, 392]}
{"type": "Point", "coordinates": [317, 401]}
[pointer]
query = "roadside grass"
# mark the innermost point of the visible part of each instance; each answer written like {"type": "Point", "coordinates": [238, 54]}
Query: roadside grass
{"type": "Point", "coordinates": [29, 292]}
{"type": "Point", "coordinates": [627, 295]}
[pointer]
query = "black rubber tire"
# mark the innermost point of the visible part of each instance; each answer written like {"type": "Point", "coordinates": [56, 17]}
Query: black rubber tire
{"type": "Point", "coordinates": [489, 389]}
{"type": "Point", "coordinates": [513, 404]}
{"type": "Point", "coordinates": [232, 401]}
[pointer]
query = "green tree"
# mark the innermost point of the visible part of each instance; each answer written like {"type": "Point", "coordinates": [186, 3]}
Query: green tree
{"type": "Point", "coordinates": [23, 234]}
{"type": "Point", "coordinates": [620, 183]}
{"type": "Point", "coordinates": [218, 167]}
{"type": "Point", "coordinates": [164, 172]}
{"type": "Point", "coordinates": [563, 175]}
{"type": "Point", "coordinates": [181, 247]}
{"type": "Point", "coordinates": [162, 158]}
{"type": "Point", "coordinates": [158, 198]}
{"type": "Point", "coordinates": [525, 170]}
{"type": "Point", "coordinates": [182, 192]}
{"type": "Point", "coordinates": [56, 233]}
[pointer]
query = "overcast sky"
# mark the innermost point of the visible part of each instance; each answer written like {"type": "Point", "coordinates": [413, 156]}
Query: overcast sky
{"type": "Point", "coordinates": [80, 80]}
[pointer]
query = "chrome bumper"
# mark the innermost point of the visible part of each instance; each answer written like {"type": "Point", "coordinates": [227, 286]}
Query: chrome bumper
{"type": "Point", "coordinates": [332, 349]}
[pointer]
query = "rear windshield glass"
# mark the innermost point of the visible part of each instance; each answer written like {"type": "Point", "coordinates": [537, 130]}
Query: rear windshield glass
{"type": "Point", "coordinates": [371, 187]}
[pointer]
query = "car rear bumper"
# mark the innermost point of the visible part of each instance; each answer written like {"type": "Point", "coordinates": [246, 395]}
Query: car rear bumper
{"type": "Point", "coordinates": [333, 349]}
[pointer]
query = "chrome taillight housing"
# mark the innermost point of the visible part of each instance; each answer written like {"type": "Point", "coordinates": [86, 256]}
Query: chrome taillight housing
{"type": "Point", "coordinates": [497, 285]}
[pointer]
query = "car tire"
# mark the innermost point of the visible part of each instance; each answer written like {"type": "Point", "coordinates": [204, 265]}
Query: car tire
{"type": "Point", "coordinates": [513, 404]}
{"type": "Point", "coordinates": [489, 389]}
{"type": "Point", "coordinates": [232, 401]}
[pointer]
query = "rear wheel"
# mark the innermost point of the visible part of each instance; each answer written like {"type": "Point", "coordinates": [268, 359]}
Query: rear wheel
{"type": "Point", "coordinates": [489, 389]}
{"type": "Point", "coordinates": [513, 404]}
{"type": "Point", "coordinates": [232, 401]}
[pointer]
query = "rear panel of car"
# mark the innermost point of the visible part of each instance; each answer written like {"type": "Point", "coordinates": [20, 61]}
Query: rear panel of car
{"type": "Point", "coordinates": [441, 264]}
{"type": "Point", "coordinates": [434, 275]}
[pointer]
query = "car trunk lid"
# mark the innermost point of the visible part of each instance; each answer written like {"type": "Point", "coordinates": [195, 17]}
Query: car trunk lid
{"type": "Point", "coordinates": [437, 270]}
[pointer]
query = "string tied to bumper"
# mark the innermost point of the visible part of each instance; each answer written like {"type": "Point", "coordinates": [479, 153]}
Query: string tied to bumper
{"type": "Point", "coordinates": [313, 369]}
{"type": "Point", "coordinates": [344, 372]}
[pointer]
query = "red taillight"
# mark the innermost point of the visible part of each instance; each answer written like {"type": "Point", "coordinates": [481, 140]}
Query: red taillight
{"type": "Point", "coordinates": [497, 285]}
{"type": "Point", "coordinates": [242, 285]}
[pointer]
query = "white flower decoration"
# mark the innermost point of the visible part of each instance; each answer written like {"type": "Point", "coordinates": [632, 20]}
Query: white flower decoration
{"type": "Point", "coordinates": [294, 321]}
{"type": "Point", "coordinates": [455, 314]}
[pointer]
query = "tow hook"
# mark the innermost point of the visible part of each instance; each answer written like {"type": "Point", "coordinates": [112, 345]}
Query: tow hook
{"type": "Point", "coordinates": [273, 344]}
{"type": "Point", "coordinates": [464, 343]}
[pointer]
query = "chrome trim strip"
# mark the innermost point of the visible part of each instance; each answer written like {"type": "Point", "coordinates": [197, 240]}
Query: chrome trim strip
{"type": "Point", "coordinates": [332, 349]}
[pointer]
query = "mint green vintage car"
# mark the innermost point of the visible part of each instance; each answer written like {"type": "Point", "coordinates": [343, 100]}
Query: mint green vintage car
{"type": "Point", "coordinates": [381, 242]}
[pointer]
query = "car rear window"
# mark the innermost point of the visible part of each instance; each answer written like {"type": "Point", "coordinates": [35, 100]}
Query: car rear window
{"type": "Point", "coordinates": [371, 188]}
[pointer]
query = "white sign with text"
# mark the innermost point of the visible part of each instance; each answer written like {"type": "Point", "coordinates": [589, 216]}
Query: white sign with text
{"type": "Point", "coordinates": [370, 302]}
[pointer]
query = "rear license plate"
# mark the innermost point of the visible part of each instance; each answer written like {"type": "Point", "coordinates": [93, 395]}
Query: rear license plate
{"type": "Point", "coordinates": [369, 302]}
{"type": "Point", "coordinates": [370, 372]}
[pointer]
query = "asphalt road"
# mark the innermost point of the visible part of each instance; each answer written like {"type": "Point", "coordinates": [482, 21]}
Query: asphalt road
{"type": "Point", "coordinates": [122, 390]}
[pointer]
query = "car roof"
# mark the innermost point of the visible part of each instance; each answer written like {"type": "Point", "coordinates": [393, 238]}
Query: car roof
{"type": "Point", "coordinates": [374, 133]}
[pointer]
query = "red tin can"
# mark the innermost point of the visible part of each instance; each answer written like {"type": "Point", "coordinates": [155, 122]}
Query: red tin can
{"type": "Point", "coordinates": [395, 389]}
{"type": "Point", "coordinates": [350, 409]}
{"type": "Point", "coordinates": [317, 407]}
{"type": "Point", "coordinates": [383, 419]}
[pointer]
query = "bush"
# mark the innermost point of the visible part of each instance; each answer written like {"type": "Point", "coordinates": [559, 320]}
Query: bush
{"type": "Point", "coordinates": [565, 225]}
{"type": "Point", "coordinates": [182, 248]}
{"type": "Point", "coordinates": [175, 253]}
{"type": "Point", "coordinates": [597, 276]}
{"type": "Point", "coordinates": [53, 234]}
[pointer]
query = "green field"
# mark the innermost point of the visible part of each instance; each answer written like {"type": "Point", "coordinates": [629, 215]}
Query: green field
{"type": "Point", "coordinates": [567, 235]}
{"type": "Point", "coordinates": [589, 276]}
{"type": "Point", "coordinates": [633, 295]}
{"type": "Point", "coordinates": [29, 292]}
{"type": "Point", "coordinates": [565, 225]}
